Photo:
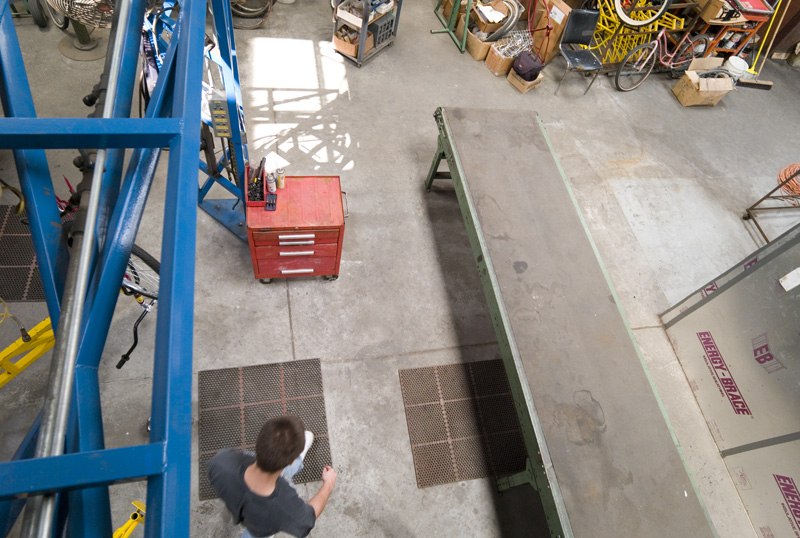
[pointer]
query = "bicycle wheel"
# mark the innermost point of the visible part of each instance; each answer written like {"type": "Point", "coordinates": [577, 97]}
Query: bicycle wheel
{"type": "Point", "coordinates": [638, 13]}
{"type": "Point", "coordinates": [37, 12]}
{"type": "Point", "coordinates": [59, 19]}
{"type": "Point", "coordinates": [141, 274]}
{"type": "Point", "coordinates": [636, 67]}
{"type": "Point", "coordinates": [694, 47]}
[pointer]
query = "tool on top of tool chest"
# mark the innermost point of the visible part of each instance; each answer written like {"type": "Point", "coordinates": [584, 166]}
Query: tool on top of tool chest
{"type": "Point", "coordinates": [262, 184]}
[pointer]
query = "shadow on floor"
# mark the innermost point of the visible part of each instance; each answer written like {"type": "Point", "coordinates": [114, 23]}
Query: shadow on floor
{"type": "Point", "coordinates": [519, 510]}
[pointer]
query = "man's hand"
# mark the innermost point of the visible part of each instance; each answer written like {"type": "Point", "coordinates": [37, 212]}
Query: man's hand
{"type": "Point", "coordinates": [329, 476]}
{"type": "Point", "coordinates": [319, 500]}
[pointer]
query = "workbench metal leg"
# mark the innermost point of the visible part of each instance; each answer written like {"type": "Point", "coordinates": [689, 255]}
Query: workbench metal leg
{"type": "Point", "coordinates": [523, 477]}
{"type": "Point", "coordinates": [438, 158]}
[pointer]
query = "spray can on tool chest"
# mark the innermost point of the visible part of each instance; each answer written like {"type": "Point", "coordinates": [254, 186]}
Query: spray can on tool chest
{"type": "Point", "coordinates": [271, 182]}
{"type": "Point", "coordinates": [280, 174]}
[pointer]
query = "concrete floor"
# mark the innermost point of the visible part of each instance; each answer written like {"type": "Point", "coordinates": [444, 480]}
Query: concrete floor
{"type": "Point", "coordinates": [662, 188]}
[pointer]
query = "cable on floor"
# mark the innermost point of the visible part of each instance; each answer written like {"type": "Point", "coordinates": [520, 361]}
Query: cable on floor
{"type": "Point", "coordinates": [6, 315]}
{"type": "Point", "coordinates": [791, 188]}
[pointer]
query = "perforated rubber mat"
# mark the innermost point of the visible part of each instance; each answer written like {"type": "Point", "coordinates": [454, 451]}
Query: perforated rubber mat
{"type": "Point", "coordinates": [461, 422]}
{"type": "Point", "coordinates": [235, 402]}
{"type": "Point", "coordinates": [19, 273]}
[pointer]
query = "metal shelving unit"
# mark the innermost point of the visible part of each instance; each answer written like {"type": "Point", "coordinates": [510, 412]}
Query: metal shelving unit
{"type": "Point", "coordinates": [362, 56]}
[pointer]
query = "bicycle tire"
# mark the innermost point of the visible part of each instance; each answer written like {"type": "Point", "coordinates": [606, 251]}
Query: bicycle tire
{"type": "Point", "coordinates": [629, 76]}
{"type": "Point", "coordinates": [59, 19]}
{"type": "Point", "coordinates": [37, 13]}
{"type": "Point", "coordinates": [243, 12]}
{"type": "Point", "coordinates": [141, 274]}
{"type": "Point", "coordinates": [695, 47]}
{"type": "Point", "coordinates": [656, 13]}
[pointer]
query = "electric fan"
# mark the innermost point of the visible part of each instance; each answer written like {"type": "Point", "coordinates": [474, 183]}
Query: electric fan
{"type": "Point", "coordinates": [84, 14]}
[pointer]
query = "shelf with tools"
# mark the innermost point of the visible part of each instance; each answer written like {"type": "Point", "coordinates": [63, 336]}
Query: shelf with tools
{"type": "Point", "coordinates": [362, 28]}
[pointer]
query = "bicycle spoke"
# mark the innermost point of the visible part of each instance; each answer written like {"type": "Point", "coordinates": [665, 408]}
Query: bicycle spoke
{"type": "Point", "coordinates": [141, 275]}
{"type": "Point", "coordinates": [636, 67]}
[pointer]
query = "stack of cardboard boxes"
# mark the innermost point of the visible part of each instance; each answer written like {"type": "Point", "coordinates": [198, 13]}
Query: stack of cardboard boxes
{"type": "Point", "coordinates": [548, 25]}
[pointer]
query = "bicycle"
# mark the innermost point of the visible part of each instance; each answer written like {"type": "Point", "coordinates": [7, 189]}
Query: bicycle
{"type": "Point", "coordinates": [639, 62]}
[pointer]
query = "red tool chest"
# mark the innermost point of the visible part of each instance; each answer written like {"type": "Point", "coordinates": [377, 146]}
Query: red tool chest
{"type": "Point", "coordinates": [303, 236]}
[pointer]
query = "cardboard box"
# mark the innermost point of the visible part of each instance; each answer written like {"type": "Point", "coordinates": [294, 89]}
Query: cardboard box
{"type": "Point", "coordinates": [343, 13]}
{"type": "Point", "coordinates": [498, 64]}
{"type": "Point", "coordinates": [483, 24]}
{"type": "Point", "coordinates": [523, 85]}
{"type": "Point", "coordinates": [547, 46]}
{"type": "Point", "coordinates": [477, 48]}
{"type": "Point", "coordinates": [351, 49]}
{"type": "Point", "coordinates": [691, 90]}
{"type": "Point", "coordinates": [448, 6]}
{"type": "Point", "coordinates": [713, 11]}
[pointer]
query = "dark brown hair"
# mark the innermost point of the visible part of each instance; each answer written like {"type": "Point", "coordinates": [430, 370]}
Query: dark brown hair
{"type": "Point", "coordinates": [279, 443]}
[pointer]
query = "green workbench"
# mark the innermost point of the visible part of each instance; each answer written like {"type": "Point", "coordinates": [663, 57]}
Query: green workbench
{"type": "Point", "coordinates": [600, 451]}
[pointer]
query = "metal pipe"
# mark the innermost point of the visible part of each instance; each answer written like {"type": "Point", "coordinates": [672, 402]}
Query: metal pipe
{"type": "Point", "coordinates": [57, 402]}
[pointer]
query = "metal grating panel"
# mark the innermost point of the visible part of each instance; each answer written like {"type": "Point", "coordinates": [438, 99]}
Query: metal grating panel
{"type": "Point", "coordinates": [12, 224]}
{"type": "Point", "coordinates": [429, 425]}
{"type": "Point", "coordinates": [433, 465]}
{"type": "Point", "coordinates": [219, 388]}
{"type": "Point", "coordinates": [220, 428]}
{"type": "Point", "coordinates": [235, 402]}
{"type": "Point", "coordinates": [19, 273]}
{"type": "Point", "coordinates": [312, 412]}
{"type": "Point", "coordinates": [498, 413]}
{"type": "Point", "coordinates": [462, 419]}
{"type": "Point", "coordinates": [262, 383]}
{"type": "Point", "coordinates": [301, 378]}
{"type": "Point", "coordinates": [455, 382]}
{"type": "Point", "coordinates": [489, 378]}
{"type": "Point", "coordinates": [418, 386]}
{"type": "Point", "coordinates": [462, 422]}
{"type": "Point", "coordinates": [255, 416]}
{"type": "Point", "coordinates": [470, 457]}
{"type": "Point", "coordinates": [318, 457]}
{"type": "Point", "coordinates": [507, 452]}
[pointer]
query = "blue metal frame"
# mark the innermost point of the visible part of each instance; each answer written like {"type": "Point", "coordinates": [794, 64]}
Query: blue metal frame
{"type": "Point", "coordinates": [82, 475]}
{"type": "Point", "coordinates": [229, 212]}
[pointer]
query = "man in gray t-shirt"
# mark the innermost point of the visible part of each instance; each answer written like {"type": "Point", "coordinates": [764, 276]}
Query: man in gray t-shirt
{"type": "Point", "coordinates": [257, 488]}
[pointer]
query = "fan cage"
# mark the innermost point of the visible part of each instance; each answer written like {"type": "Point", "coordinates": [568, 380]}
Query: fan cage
{"type": "Point", "coordinates": [97, 13]}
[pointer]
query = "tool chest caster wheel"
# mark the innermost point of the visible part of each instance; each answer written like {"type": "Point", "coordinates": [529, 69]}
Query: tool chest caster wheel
{"type": "Point", "coordinates": [265, 280]}
{"type": "Point", "coordinates": [330, 277]}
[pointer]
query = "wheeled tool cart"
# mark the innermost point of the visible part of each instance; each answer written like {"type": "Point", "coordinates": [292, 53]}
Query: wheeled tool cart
{"type": "Point", "coordinates": [301, 234]}
{"type": "Point", "coordinates": [363, 28]}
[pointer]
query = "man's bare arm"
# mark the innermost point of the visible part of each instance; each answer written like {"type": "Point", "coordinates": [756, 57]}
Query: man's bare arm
{"type": "Point", "coordinates": [319, 500]}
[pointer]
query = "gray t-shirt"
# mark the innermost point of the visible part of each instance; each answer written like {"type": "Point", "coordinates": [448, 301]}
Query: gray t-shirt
{"type": "Point", "coordinates": [283, 510]}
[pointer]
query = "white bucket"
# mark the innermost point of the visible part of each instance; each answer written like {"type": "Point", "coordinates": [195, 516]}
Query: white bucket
{"type": "Point", "coordinates": [737, 66]}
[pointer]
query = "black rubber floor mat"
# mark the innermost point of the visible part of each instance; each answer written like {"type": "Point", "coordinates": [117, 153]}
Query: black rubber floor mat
{"type": "Point", "coordinates": [19, 272]}
{"type": "Point", "coordinates": [461, 422]}
{"type": "Point", "coordinates": [235, 402]}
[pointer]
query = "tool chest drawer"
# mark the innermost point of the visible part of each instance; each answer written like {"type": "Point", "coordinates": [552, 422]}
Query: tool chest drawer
{"type": "Point", "coordinates": [283, 267]}
{"type": "Point", "coordinates": [328, 250]}
{"type": "Point", "coordinates": [298, 237]}
{"type": "Point", "coordinates": [303, 235]}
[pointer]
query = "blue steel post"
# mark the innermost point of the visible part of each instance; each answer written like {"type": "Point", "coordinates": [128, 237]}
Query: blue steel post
{"type": "Point", "coordinates": [229, 212]}
{"type": "Point", "coordinates": [168, 512]}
